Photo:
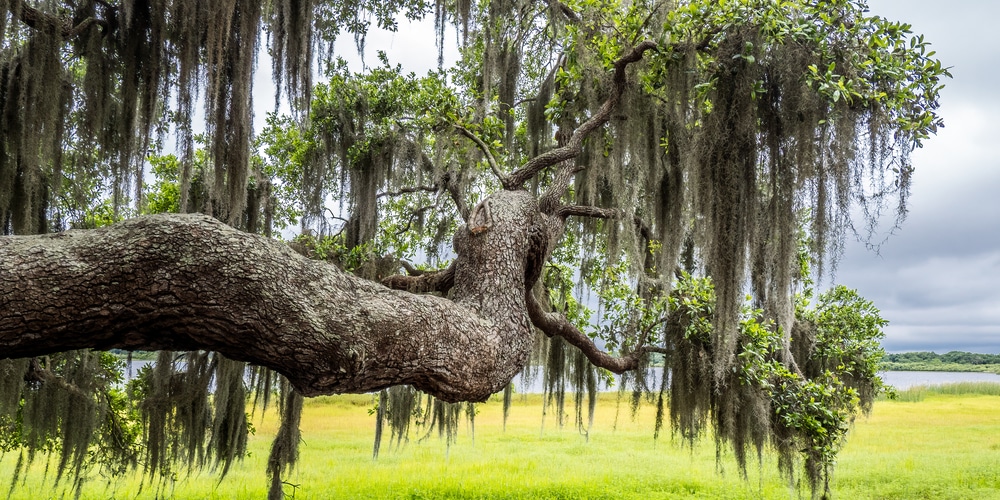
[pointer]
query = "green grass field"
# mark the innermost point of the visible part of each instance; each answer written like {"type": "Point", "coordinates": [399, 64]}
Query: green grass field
{"type": "Point", "coordinates": [928, 444]}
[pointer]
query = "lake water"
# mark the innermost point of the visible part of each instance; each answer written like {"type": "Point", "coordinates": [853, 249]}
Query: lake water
{"type": "Point", "coordinates": [905, 380]}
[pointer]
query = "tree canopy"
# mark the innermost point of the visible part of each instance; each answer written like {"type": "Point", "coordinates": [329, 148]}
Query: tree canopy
{"type": "Point", "coordinates": [592, 187]}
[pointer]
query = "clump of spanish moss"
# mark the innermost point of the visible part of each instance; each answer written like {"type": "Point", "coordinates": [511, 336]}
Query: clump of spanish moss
{"type": "Point", "coordinates": [403, 406]}
{"type": "Point", "coordinates": [59, 405]}
{"type": "Point", "coordinates": [802, 408]}
{"type": "Point", "coordinates": [397, 406]}
{"type": "Point", "coordinates": [60, 65]}
{"type": "Point", "coordinates": [555, 379]}
{"type": "Point", "coordinates": [285, 447]}
{"type": "Point", "coordinates": [12, 373]}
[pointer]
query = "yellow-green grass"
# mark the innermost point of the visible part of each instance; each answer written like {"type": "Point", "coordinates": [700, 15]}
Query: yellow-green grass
{"type": "Point", "coordinates": [943, 446]}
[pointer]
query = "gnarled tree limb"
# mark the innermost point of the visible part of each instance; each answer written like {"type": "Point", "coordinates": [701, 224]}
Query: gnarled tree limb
{"type": "Point", "coordinates": [587, 211]}
{"type": "Point", "coordinates": [556, 325]}
{"type": "Point", "coordinates": [418, 281]}
{"type": "Point", "coordinates": [549, 200]}
{"type": "Point", "coordinates": [189, 282]}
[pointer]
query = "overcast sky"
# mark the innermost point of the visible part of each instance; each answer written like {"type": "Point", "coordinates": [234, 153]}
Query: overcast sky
{"type": "Point", "coordinates": [937, 279]}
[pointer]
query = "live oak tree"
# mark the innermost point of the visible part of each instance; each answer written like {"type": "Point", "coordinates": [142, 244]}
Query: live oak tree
{"type": "Point", "coordinates": [666, 157]}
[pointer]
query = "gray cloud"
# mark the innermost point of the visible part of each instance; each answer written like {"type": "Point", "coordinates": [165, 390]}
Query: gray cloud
{"type": "Point", "coordinates": [962, 33]}
{"type": "Point", "coordinates": [938, 278]}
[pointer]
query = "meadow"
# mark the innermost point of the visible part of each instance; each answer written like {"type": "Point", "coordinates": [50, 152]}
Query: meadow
{"type": "Point", "coordinates": [933, 443]}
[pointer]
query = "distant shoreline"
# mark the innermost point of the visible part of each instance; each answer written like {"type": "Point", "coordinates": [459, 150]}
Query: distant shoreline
{"type": "Point", "coordinates": [954, 361]}
{"type": "Point", "coordinates": [938, 367]}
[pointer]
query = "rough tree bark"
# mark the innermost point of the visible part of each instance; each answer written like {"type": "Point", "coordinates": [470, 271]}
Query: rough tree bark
{"type": "Point", "coordinates": [189, 282]}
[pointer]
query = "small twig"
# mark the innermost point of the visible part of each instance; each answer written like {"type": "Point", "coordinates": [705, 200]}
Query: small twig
{"type": "Point", "coordinates": [413, 215]}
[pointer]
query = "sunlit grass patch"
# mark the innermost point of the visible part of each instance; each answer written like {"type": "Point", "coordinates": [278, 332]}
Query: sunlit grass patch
{"type": "Point", "coordinates": [919, 392]}
{"type": "Point", "coordinates": [945, 446]}
{"type": "Point", "coordinates": [940, 447]}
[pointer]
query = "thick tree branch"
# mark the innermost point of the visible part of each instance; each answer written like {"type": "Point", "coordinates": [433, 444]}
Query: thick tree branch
{"type": "Point", "coordinates": [549, 201]}
{"type": "Point", "coordinates": [556, 325]}
{"type": "Point", "coordinates": [574, 146]}
{"type": "Point", "coordinates": [419, 281]}
{"type": "Point", "coordinates": [409, 190]}
{"type": "Point", "coordinates": [587, 211]}
{"type": "Point", "coordinates": [188, 282]}
{"type": "Point", "coordinates": [454, 190]}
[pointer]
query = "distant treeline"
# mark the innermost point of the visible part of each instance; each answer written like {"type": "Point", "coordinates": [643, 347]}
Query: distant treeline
{"type": "Point", "coordinates": [952, 361]}
{"type": "Point", "coordinates": [962, 358]}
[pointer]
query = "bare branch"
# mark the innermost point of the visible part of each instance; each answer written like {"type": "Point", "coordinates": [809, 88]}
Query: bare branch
{"type": "Point", "coordinates": [333, 215]}
{"type": "Point", "coordinates": [486, 151]}
{"type": "Point", "coordinates": [574, 146]}
{"type": "Point", "coordinates": [588, 211]}
{"type": "Point", "coordinates": [408, 190]}
{"type": "Point", "coordinates": [410, 270]}
{"type": "Point", "coordinates": [565, 211]}
{"type": "Point", "coordinates": [556, 325]}
{"type": "Point", "coordinates": [413, 215]}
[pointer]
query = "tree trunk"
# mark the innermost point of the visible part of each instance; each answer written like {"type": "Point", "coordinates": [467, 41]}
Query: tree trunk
{"type": "Point", "coordinates": [189, 282]}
